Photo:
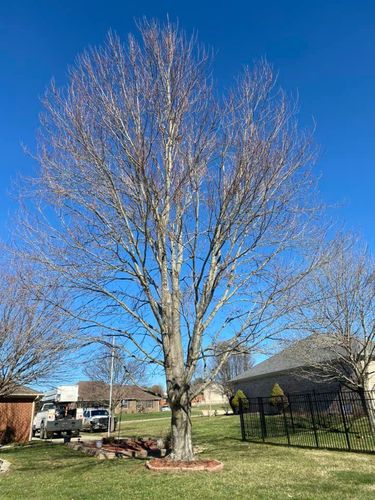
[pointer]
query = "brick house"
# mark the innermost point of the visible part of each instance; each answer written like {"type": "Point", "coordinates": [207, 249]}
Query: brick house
{"type": "Point", "coordinates": [16, 415]}
{"type": "Point", "coordinates": [134, 399]}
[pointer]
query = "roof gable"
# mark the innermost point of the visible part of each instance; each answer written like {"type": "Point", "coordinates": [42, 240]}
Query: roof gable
{"type": "Point", "coordinates": [22, 390]}
{"type": "Point", "coordinates": [293, 357]}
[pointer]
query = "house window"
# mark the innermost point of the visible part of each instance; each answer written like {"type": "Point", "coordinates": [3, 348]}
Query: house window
{"type": "Point", "coordinates": [125, 403]}
{"type": "Point", "coordinates": [149, 404]}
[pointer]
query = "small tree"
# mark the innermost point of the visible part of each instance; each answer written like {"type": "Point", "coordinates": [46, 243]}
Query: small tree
{"type": "Point", "coordinates": [337, 309]}
{"type": "Point", "coordinates": [35, 336]}
{"type": "Point", "coordinates": [124, 371]}
{"type": "Point", "coordinates": [235, 364]}
{"type": "Point", "coordinates": [157, 389]}
{"type": "Point", "coordinates": [235, 401]}
{"type": "Point", "coordinates": [278, 399]}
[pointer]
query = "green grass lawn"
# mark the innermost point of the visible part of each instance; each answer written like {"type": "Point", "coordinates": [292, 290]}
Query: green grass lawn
{"type": "Point", "coordinates": [142, 416]}
{"type": "Point", "coordinates": [196, 411]}
{"type": "Point", "coordinates": [45, 470]}
{"type": "Point", "coordinates": [331, 435]}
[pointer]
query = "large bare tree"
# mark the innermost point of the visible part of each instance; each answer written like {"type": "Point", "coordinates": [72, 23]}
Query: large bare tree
{"type": "Point", "coordinates": [179, 211]}
{"type": "Point", "coordinates": [35, 336]}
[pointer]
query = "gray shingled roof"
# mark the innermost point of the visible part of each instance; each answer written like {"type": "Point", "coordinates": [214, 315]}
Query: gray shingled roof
{"type": "Point", "coordinates": [92, 390]}
{"type": "Point", "coordinates": [292, 357]}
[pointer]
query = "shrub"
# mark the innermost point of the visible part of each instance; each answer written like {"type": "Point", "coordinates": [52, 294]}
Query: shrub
{"type": "Point", "coordinates": [235, 402]}
{"type": "Point", "coordinates": [278, 398]}
{"type": "Point", "coordinates": [7, 436]}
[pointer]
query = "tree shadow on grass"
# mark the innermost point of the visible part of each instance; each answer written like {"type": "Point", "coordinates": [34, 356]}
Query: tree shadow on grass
{"type": "Point", "coordinates": [355, 477]}
{"type": "Point", "coordinates": [47, 456]}
{"type": "Point", "coordinates": [50, 458]}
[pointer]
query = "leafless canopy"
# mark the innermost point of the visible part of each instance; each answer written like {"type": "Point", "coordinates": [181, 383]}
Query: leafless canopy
{"type": "Point", "coordinates": [338, 308]}
{"type": "Point", "coordinates": [179, 212]}
{"type": "Point", "coordinates": [235, 364]}
{"type": "Point", "coordinates": [34, 336]}
{"type": "Point", "coordinates": [98, 368]}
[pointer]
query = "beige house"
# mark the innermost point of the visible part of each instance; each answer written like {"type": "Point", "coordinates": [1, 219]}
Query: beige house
{"type": "Point", "coordinates": [213, 394]}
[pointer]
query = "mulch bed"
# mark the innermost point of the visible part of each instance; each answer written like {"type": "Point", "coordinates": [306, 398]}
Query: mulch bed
{"type": "Point", "coordinates": [164, 465]}
{"type": "Point", "coordinates": [142, 447]}
{"type": "Point", "coordinates": [122, 448]}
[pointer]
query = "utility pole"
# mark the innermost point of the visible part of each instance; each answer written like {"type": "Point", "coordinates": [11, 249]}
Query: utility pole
{"type": "Point", "coordinates": [208, 391]}
{"type": "Point", "coordinates": [111, 387]}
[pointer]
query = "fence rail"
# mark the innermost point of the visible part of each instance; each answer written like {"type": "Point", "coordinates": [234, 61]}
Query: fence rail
{"type": "Point", "coordinates": [340, 420]}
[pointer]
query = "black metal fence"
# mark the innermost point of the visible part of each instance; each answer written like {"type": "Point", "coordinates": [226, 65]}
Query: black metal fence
{"type": "Point", "coordinates": [340, 420]}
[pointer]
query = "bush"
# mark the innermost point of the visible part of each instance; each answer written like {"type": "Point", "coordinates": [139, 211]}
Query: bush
{"type": "Point", "coordinates": [235, 402]}
{"type": "Point", "coordinates": [7, 436]}
{"type": "Point", "coordinates": [278, 399]}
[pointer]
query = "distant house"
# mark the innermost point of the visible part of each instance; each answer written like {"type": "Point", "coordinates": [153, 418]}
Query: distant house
{"type": "Point", "coordinates": [133, 398]}
{"type": "Point", "coordinates": [213, 394]}
{"type": "Point", "coordinates": [288, 368]}
{"type": "Point", "coordinates": [16, 415]}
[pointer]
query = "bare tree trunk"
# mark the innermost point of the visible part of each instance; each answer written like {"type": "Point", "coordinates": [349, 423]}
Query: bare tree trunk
{"type": "Point", "coordinates": [182, 445]}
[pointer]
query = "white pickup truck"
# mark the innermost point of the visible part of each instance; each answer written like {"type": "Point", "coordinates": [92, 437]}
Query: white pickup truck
{"type": "Point", "coordinates": [95, 419]}
{"type": "Point", "coordinates": [59, 413]}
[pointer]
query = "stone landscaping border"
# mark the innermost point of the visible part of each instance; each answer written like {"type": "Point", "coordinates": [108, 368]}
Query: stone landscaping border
{"type": "Point", "coordinates": [165, 465]}
{"type": "Point", "coordinates": [109, 451]}
{"type": "Point", "coordinates": [4, 465]}
{"type": "Point", "coordinates": [156, 464]}
{"type": "Point", "coordinates": [92, 451]}
{"type": "Point", "coordinates": [127, 448]}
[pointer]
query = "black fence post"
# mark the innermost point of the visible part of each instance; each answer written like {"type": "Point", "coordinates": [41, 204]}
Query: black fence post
{"type": "Point", "coordinates": [313, 420]}
{"type": "Point", "coordinates": [317, 409]}
{"type": "Point", "coordinates": [286, 425]}
{"type": "Point", "coordinates": [240, 407]}
{"type": "Point", "coordinates": [263, 426]}
{"type": "Point", "coordinates": [344, 421]}
{"type": "Point", "coordinates": [291, 416]}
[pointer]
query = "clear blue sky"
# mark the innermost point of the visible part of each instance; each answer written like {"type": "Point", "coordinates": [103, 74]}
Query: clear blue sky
{"type": "Point", "coordinates": [325, 50]}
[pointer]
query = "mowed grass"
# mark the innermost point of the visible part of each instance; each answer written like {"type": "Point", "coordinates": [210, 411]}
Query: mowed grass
{"type": "Point", "coordinates": [195, 411]}
{"type": "Point", "coordinates": [45, 470]}
{"type": "Point", "coordinates": [142, 416]}
{"type": "Point", "coordinates": [332, 436]}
